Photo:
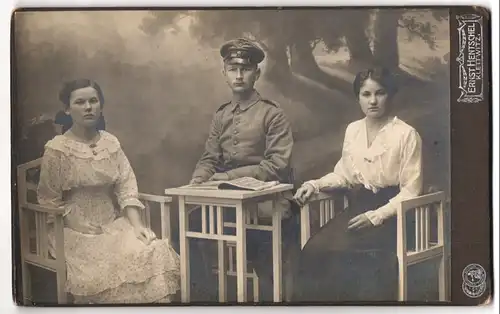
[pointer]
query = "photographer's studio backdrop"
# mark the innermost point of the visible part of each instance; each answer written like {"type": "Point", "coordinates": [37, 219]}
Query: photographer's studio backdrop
{"type": "Point", "coordinates": [160, 72]}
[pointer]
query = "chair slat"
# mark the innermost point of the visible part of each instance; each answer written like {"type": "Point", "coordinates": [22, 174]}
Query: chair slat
{"type": "Point", "coordinates": [204, 218]}
{"type": "Point", "coordinates": [211, 210]}
{"type": "Point", "coordinates": [44, 235]}
{"type": "Point", "coordinates": [426, 228]}
{"type": "Point", "coordinates": [232, 261]}
{"type": "Point", "coordinates": [147, 213]}
{"type": "Point", "coordinates": [327, 211]}
{"type": "Point", "coordinates": [417, 230]}
{"type": "Point", "coordinates": [220, 220]}
{"type": "Point", "coordinates": [165, 221]}
{"type": "Point", "coordinates": [321, 213]}
{"type": "Point", "coordinates": [37, 238]}
{"type": "Point", "coordinates": [422, 228]}
{"type": "Point", "coordinates": [332, 209]}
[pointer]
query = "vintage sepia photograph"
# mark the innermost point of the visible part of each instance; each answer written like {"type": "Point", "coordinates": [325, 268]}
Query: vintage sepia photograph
{"type": "Point", "coordinates": [233, 156]}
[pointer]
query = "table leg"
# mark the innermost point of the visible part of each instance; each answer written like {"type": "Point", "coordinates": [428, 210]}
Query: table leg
{"type": "Point", "coordinates": [277, 258]}
{"type": "Point", "coordinates": [184, 251]}
{"type": "Point", "coordinates": [241, 252]}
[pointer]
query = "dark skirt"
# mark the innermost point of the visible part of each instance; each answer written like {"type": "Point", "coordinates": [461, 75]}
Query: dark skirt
{"type": "Point", "coordinates": [339, 265]}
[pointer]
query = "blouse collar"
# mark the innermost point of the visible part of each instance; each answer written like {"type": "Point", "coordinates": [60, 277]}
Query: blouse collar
{"type": "Point", "coordinates": [364, 134]}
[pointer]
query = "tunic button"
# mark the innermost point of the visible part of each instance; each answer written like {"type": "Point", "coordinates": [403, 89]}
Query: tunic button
{"type": "Point", "coordinates": [94, 152]}
{"type": "Point", "coordinates": [234, 153]}
{"type": "Point", "coordinates": [235, 142]}
{"type": "Point", "coordinates": [235, 131]}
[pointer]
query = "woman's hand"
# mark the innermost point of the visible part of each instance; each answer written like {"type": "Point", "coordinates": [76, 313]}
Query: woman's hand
{"type": "Point", "coordinates": [359, 222]}
{"type": "Point", "coordinates": [303, 194]}
{"type": "Point", "coordinates": [144, 234]}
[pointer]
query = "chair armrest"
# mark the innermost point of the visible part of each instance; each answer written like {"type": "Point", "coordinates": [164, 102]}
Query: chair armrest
{"type": "Point", "coordinates": [422, 200]}
{"type": "Point", "coordinates": [324, 196]}
{"type": "Point", "coordinates": [164, 204]}
{"type": "Point", "coordinates": [30, 164]}
{"type": "Point", "coordinates": [155, 198]}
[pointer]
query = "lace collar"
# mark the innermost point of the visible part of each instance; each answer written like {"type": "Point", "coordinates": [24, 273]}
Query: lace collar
{"type": "Point", "coordinates": [103, 148]}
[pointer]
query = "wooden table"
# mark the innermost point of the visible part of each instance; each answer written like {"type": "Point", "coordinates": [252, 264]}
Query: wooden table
{"type": "Point", "coordinates": [214, 202]}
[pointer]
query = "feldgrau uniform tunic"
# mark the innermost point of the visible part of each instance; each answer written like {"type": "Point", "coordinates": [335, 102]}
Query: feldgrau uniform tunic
{"type": "Point", "coordinates": [252, 139]}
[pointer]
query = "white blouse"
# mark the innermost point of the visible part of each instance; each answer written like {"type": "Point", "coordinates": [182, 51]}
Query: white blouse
{"type": "Point", "coordinates": [393, 159]}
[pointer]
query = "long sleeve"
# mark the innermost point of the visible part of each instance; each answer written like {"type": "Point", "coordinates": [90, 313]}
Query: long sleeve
{"type": "Point", "coordinates": [410, 176]}
{"type": "Point", "coordinates": [126, 190]}
{"type": "Point", "coordinates": [205, 167]}
{"type": "Point", "coordinates": [49, 190]}
{"type": "Point", "coordinates": [276, 162]}
{"type": "Point", "coordinates": [340, 176]}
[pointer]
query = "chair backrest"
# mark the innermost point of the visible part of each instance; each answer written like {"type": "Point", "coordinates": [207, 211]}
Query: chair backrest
{"type": "Point", "coordinates": [34, 231]}
{"type": "Point", "coordinates": [27, 180]}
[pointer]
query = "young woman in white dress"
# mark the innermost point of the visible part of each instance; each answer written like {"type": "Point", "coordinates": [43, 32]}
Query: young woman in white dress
{"type": "Point", "coordinates": [111, 257]}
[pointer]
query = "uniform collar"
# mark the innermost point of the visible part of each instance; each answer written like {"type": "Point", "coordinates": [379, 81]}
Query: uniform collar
{"type": "Point", "coordinates": [244, 105]}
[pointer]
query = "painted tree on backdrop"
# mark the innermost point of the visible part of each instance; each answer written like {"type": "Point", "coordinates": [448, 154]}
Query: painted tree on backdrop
{"type": "Point", "coordinates": [290, 36]}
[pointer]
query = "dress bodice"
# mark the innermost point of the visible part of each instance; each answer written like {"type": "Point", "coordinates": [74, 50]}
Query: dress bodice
{"type": "Point", "coordinates": [92, 182]}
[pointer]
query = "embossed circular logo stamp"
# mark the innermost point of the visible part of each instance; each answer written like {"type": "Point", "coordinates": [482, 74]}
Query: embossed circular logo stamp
{"type": "Point", "coordinates": [474, 280]}
{"type": "Point", "coordinates": [474, 275]}
{"type": "Point", "coordinates": [473, 291]}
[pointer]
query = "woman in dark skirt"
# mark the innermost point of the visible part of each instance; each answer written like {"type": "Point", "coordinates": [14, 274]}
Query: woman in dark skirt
{"type": "Point", "coordinates": [353, 257]}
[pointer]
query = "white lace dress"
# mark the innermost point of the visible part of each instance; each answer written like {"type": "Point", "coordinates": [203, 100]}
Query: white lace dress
{"type": "Point", "coordinates": [94, 184]}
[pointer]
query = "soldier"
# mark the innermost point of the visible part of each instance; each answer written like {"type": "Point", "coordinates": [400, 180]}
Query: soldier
{"type": "Point", "coordinates": [250, 136]}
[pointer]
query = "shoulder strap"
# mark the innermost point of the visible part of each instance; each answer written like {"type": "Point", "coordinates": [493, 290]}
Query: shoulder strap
{"type": "Point", "coordinates": [271, 102]}
{"type": "Point", "coordinates": [224, 105]}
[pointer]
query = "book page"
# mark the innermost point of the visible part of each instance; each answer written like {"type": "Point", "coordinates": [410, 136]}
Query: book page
{"type": "Point", "coordinates": [209, 185]}
{"type": "Point", "coordinates": [247, 183]}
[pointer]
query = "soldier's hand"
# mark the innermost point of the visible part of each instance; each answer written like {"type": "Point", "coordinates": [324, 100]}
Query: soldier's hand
{"type": "Point", "coordinates": [196, 181]}
{"type": "Point", "coordinates": [303, 194]}
{"type": "Point", "coordinates": [219, 177]}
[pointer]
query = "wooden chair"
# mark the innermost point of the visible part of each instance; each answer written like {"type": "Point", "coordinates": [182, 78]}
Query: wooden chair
{"type": "Point", "coordinates": [425, 249]}
{"type": "Point", "coordinates": [34, 241]}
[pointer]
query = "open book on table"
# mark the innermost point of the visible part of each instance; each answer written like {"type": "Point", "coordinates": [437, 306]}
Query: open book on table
{"type": "Point", "coordinates": [245, 183]}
